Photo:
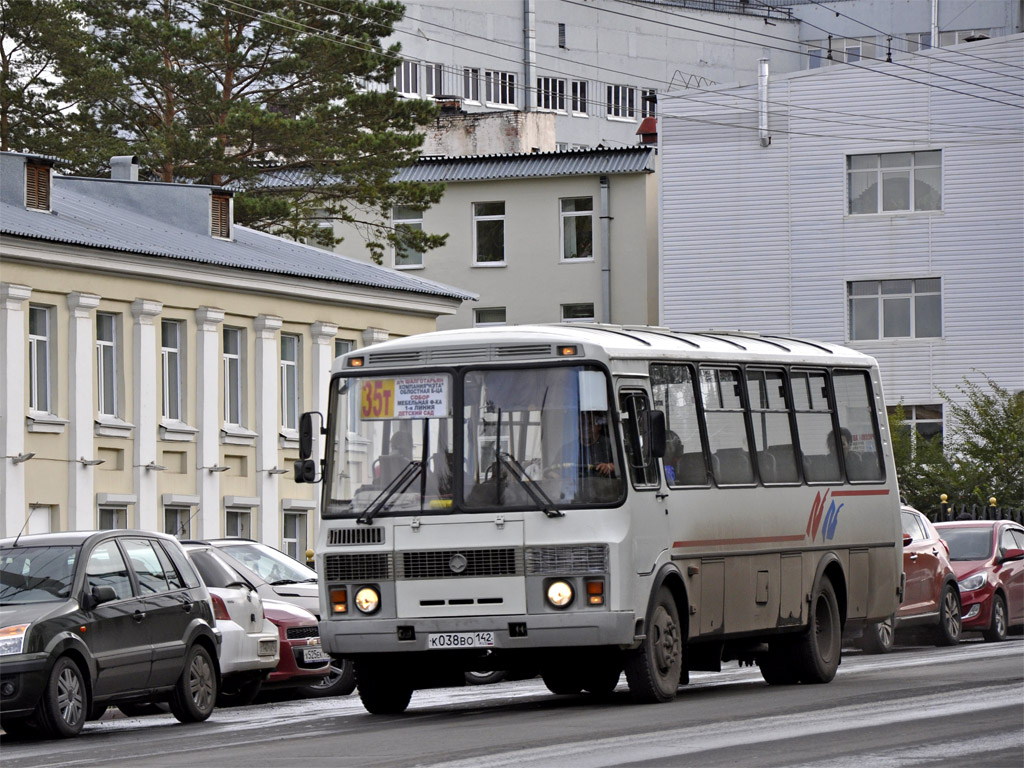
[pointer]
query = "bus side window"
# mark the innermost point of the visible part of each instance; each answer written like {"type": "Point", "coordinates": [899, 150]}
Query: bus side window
{"type": "Point", "coordinates": [773, 433]}
{"type": "Point", "coordinates": [643, 467]}
{"type": "Point", "coordinates": [727, 429]}
{"type": "Point", "coordinates": [675, 394]}
{"type": "Point", "coordinates": [857, 418]}
{"type": "Point", "coordinates": [814, 426]}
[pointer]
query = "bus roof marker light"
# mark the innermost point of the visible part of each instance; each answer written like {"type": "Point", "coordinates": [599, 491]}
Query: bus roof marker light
{"type": "Point", "coordinates": [355, 362]}
{"type": "Point", "coordinates": [569, 350]}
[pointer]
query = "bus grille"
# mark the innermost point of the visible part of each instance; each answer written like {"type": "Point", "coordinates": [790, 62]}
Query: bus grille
{"type": "Point", "coordinates": [356, 567]}
{"type": "Point", "coordinates": [362, 535]}
{"type": "Point", "coordinates": [451, 563]}
{"type": "Point", "coordinates": [568, 561]}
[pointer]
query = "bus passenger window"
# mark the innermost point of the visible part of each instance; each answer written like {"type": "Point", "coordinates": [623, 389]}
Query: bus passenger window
{"type": "Point", "coordinates": [856, 418]}
{"type": "Point", "coordinates": [643, 468]}
{"type": "Point", "coordinates": [727, 430]}
{"type": "Point", "coordinates": [814, 426]}
{"type": "Point", "coordinates": [675, 395]}
{"type": "Point", "coordinates": [773, 435]}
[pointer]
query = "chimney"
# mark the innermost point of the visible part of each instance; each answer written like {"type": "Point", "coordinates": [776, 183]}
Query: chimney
{"type": "Point", "coordinates": [648, 130]}
{"type": "Point", "coordinates": [124, 167]}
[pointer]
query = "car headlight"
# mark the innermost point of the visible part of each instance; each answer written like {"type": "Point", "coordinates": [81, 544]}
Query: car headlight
{"type": "Point", "coordinates": [367, 600]}
{"type": "Point", "coordinates": [12, 639]}
{"type": "Point", "coordinates": [977, 581]}
{"type": "Point", "coordinates": [560, 593]}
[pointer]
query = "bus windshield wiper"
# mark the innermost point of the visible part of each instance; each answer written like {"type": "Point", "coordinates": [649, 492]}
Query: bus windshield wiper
{"type": "Point", "coordinates": [399, 485]}
{"type": "Point", "coordinates": [533, 490]}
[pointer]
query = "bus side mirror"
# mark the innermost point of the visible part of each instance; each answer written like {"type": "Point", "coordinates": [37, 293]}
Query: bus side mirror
{"type": "Point", "coordinates": [305, 471]}
{"type": "Point", "coordinates": [306, 434]}
{"type": "Point", "coordinates": [655, 428]}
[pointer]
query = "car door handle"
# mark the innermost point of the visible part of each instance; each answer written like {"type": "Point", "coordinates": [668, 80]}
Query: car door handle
{"type": "Point", "coordinates": [186, 606]}
{"type": "Point", "coordinates": [913, 558]}
{"type": "Point", "coordinates": [139, 616]}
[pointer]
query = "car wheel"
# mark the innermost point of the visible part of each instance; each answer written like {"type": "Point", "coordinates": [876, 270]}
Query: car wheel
{"type": "Point", "coordinates": [878, 638]}
{"type": "Point", "coordinates": [653, 670]}
{"type": "Point", "coordinates": [65, 702]}
{"type": "Point", "coordinates": [195, 692]}
{"type": "Point", "coordinates": [778, 666]}
{"type": "Point", "coordinates": [996, 632]}
{"type": "Point", "coordinates": [238, 692]}
{"type": "Point", "coordinates": [948, 631]}
{"type": "Point", "coordinates": [484, 677]}
{"type": "Point", "coordinates": [384, 687]}
{"type": "Point", "coordinates": [340, 681]}
{"type": "Point", "coordinates": [816, 653]}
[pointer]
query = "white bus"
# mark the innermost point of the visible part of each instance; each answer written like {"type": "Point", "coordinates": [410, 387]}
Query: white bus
{"type": "Point", "coordinates": [587, 500]}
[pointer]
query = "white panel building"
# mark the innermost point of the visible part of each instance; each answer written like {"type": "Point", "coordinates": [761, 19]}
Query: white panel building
{"type": "Point", "coordinates": [882, 206]}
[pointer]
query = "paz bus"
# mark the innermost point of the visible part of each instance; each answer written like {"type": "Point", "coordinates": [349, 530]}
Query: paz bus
{"type": "Point", "coordinates": [585, 501]}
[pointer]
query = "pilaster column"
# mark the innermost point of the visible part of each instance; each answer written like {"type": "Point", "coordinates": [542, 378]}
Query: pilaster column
{"type": "Point", "coordinates": [81, 411]}
{"type": "Point", "coordinates": [267, 426]}
{"type": "Point", "coordinates": [323, 357]}
{"type": "Point", "coordinates": [374, 336]}
{"type": "Point", "coordinates": [147, 411]}
{"type": "Point", "coordinates": [208, 415]}
{"type": "Point", "coordinates": [13, 405]}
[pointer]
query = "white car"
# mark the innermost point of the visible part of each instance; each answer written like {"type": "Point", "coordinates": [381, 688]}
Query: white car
{"type": "Point", "coordinates": [250, 649]}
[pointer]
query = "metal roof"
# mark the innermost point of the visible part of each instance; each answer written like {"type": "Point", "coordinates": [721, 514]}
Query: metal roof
{"type": "Point", "coordinates": [533, 165]}
{"type": "Point", "coordinates": [77, 218]}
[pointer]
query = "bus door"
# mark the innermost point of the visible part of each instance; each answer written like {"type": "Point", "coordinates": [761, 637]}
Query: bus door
{"type": "Point", "coordinates": [646, 499]}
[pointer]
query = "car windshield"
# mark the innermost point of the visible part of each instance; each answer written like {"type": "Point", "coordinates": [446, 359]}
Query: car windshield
{"type": "Point", "coordinates": [36, 574]}
{"type": "Point", "coordinates": [271, 565]}
{"type": "Point", "coordinates": [968, 543]}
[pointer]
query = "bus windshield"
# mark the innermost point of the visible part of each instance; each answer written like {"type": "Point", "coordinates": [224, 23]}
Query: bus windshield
{"type": "Point", "coordinates": [531, 438]}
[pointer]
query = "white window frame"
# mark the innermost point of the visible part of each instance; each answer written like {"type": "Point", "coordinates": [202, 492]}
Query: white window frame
{"type": "Point", "coordinates": [238, 515]}
{"type": "Point", "coordinates": [648, 108]}
{"type": "Point", "coordinates": [589, 319]}
{"type": "Point", "coordinates": [108, 349]}
{"type": "Point", "coordinates": [414, 220]}
{"type": "Point", "coordinates": [471, 84]}
{"type": "Point", "coordinates": [343, 347]}
{"type": "Point", "coordinates": [433, 79]}
{"type": "Point", "coordinates": [621, 102]}
{"type": "Point", "coordinates": [112, 518]}
{"type": "Point", "coordinates": [578, 98]}
{"type": "Point", "coordinates": [880, 297]}
{"type": "Point", "coordinates": [500, 88]}
{"type": "Point", "coordinates": [551, 94]}
{"type": "Point", "coordinates": [295, 546]}
{"type": "Point", "coordinates": [478, 313]}
{"type": "Point", "coordinates": [171, 359]}
{"type": "Point", "coordinates": [918, 162]}
{"type": "Point", "coordinates": [40, 350]}
{"type": "Point", "coordinates": [42, 518]}
{"type": "Point", "coordinates": [291, 381]}
{"type": "Point", "coordinates": [406, 78]}
{"type": "Point", "coordinates": [567, 219]}
{"type": "Point", "coordinates": [480, 218]}
{"type": "Point", "coordinates": [182, 517]}
{"type": "Point", "coordinates": [233, 396]}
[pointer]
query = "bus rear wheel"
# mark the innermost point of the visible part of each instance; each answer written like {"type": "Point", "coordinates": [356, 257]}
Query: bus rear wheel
{"type": "Point", "coordinates": [384, 687]}
{"type": "Point", "coordinates": [653, 670]}
{"type": "Point", "coordinates": [777, 666]}
{"type": "Point", "coordinates": [817, 651]}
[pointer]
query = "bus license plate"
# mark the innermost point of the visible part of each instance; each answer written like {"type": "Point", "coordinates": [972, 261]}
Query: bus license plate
{"type": "Point", "coordinates": [314, 654]}
{"type": "Point", "coordinates": [461, 640]}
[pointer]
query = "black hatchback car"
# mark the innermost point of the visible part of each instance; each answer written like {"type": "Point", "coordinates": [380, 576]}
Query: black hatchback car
{"type": "Point", "coordinates": [89, 619]}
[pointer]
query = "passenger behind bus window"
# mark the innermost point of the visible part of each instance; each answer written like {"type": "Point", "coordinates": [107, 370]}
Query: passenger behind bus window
{"type": "Point", "coordinates": [595, 450]}
{"type": "Point", "coordinates": [390, 465]}
{"type": "Point", "coordinates": [673, 457]}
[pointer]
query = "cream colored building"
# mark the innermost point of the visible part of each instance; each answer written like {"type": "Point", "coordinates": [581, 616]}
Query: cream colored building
{"type": "Point", "coordinates": [155, 356]}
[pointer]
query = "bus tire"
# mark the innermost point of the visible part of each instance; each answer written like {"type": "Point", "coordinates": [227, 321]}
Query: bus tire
{"type": "Point", "coordinates": [879, 637]}
{"type": "Point", "coordinates": [653, 670]}
{"type": "Point", "coordinates": [563, 681]}
{"type": "Point", "coordinates": [778, 666]}
{"type": "Point", "coordinates": [384, 688]}
{"type": "Point", "coordinates": [816, 653]}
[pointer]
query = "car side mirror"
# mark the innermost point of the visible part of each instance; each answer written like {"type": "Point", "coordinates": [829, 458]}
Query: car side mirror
{"type": "Point", "coordinates": [655, 428]}
{"type": "Point", "coordinates": [1012, 554]}
{"type": "Point", "coordinates": [907, 538]}
{"type": "Point", "coordinates": [101, 593]}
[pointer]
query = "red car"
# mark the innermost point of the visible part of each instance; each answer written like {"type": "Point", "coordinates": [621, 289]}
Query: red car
{"type": "Point", "coordinates": [931, 599]}
{"type": "Point", "coordinates": [302, 659]}
{"type": "Point", "coordinates": [988, 557]}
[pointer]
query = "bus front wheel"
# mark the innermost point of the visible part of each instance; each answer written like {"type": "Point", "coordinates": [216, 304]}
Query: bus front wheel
{"type": "Point", "coordinates": [384, 688]}
{"type": "Point", "coordinates": [653, 670]}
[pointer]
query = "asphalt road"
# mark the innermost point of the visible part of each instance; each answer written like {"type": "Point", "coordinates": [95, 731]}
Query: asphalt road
{"type": "Point", "coordinates": [919, 706]}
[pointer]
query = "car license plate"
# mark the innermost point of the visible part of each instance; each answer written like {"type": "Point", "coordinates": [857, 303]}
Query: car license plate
{"type": "Point", "coordinates": [461, 640]}
{"type": "Point", "coordinates": [314, 654]}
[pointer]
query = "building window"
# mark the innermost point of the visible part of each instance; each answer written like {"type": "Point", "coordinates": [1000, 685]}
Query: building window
{"type": "Point", "coordinates": [233, 376]}
{"type": "Point", "coordinates": [37, 186]}
{"type": "Point", "coordinates": [290, 346]}
{"type": "Point", "coordinates": [648, 103]}
{"type": "Point", "coordinates": [489, 316]}
{"type": "Point", "coordinates": [39, 320]}
{"type": "Point", "coordinates": [471, 84]}
{"type": "Point", "coordinates": [170, 353]}
{"type": "Point", "coordinates": [577, 228]}
{"type": "Point", "coordinates": [220, 216]}
{"type": "Point", "coordinates": [814, 59]}
{"type": "Point", "coordinates": [963, 36]}
{"type": "Point", "coordinates": [561, 35]}
{"type": "Point", "coordinates": [107, 343]}
{"type": "Point", "coordinates": [551, 93]}
{"type": "Point", "coordinates": [294, 538]}
{"type": "Point", "coordinates": [237, 523]}
{"type": "Point", "coordinates": [342, 347]}
{"type": "Point", "coordinates": [433, 79]}
{"type": "Point", "coordinates": [918, 41]}
{"type": "Point", "coordinates": [177, 522]}
{"type": "Point", "coordinates": [489, 233]}
{"type": "Point", "coordinates": [41, 518]}
{"type": "Point", "coordinates": [577, 313]}
{"type": "Point", "coordinates": [406, 78]}
{"type": "Point", "coordinates": [579, 97]}
{"type": "Point", "coordinates": [404, 217]}
{"type": "Point", "coordinates": [621, 101]}
{"type": "Point", "coordinates": [895, 181]}
{"type": "Point", "coordinates": [500, 88]}
{"type": "Point", "coordinates": [111, 518]}
{"type": "Point", "coordinates": [895, 309]}
{"type": "Point", "coordinates": [922, 421]}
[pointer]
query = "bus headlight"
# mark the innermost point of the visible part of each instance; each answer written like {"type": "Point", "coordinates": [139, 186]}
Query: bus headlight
{"type": "Point", "coordinates": [560, 594]}
{"type": "Point", "coordinates": [367, 600]}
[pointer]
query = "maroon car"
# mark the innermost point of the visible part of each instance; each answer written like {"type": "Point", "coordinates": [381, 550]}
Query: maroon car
{"type": "Point", "coordinates": [988, 557]}
{"type": "Point", "coordinates": [302, 660]}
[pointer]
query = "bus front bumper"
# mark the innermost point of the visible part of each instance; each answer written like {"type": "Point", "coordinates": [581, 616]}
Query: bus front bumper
{"type": "Point", "coordinates": [341, 637]}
